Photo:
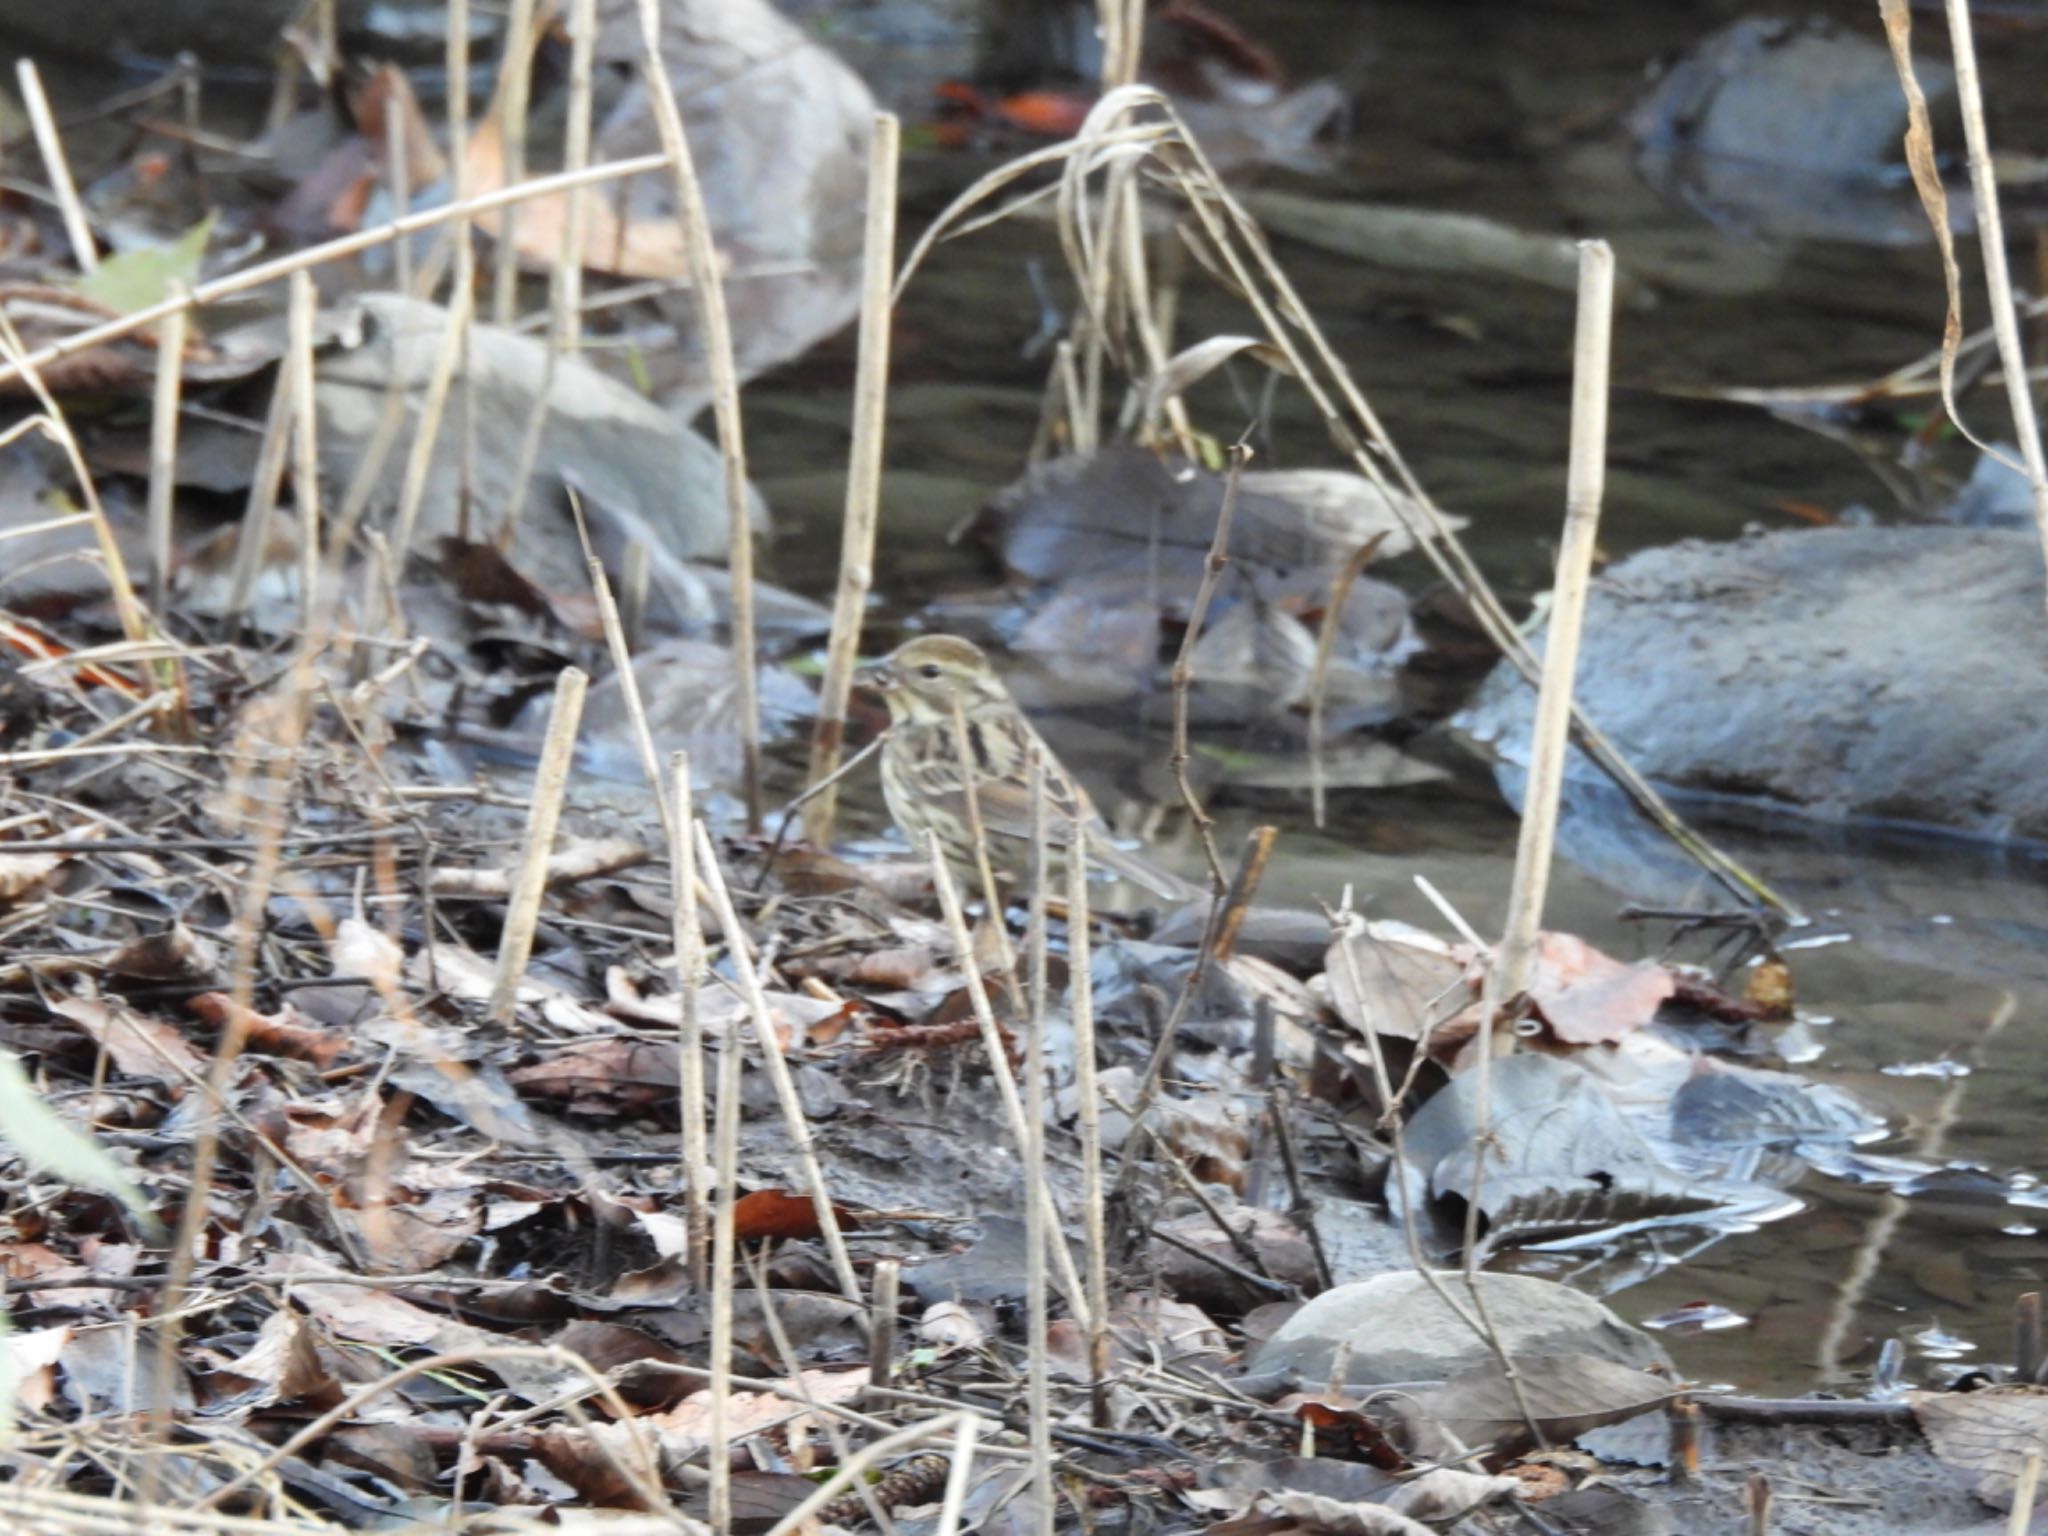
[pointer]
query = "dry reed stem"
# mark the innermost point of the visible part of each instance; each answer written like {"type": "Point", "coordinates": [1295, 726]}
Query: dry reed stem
{"type": "Point", "coordinates": [426, 433]}
{"type": "Point", "coordinates": [1507, 979]}
{"type": "Point", "coordinates": [56, 169]}
{"type": "Point", "coordinates": [692, 973]}
{"type": "Point", "coordinates": [977, 832]}
{"type": "Point", "coordinates": [802, 1141]}
{"type": "Point", "coordinates": [305, 444]}
{"type": "Point", "coordinates": [724, 1247]}
{"type": "Point", "coordinates": [1037, 1389]}
{"type": "Point", "coordinates": [1997, 277]}
{"type": "Point", "coordinates": [999, 1065]}
{"type": "Point", "coordinates": [887, 1290]}
{"type": "Point", "coordinates": [636, 574]}
{"type": "Point", "coordinates": [163, 456]}
{"type": "Point", "coordinates": [261, 506]}
{"type": "Point", "coordinates": [550, 784]}
{"type": "Point", "coordinates": [515, 84]}
{"type": "Point", "coordinates": [863, 478]}
{"type": "Point", "coordinates": [709, 291]}
{"type": "Point", "coordinates": [398, 186]}
{"type": "Point", "coordinates": [20, 365]}
{"type": "Point", "coordinates": [1184, 663]}
{"type": "Point", "coordinates": [566, 331]}
{"type": "Point", "coordinates": [957, 1476]}
{"type": "Point", "coordinates": [2021, 1518]}
{"type": "Point", "coordinates": [1094, 1211]}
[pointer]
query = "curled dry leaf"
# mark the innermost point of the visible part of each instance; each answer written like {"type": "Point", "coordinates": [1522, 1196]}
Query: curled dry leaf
{"type": "Point", "coordinates": [1990, 1433]}
{"type": "Point", "coordinates": [1586, 996]}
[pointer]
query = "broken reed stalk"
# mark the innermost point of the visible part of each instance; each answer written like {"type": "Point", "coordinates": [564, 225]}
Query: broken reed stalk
{"type": "Point", "coordinates": [999, 1066]}
{"type": "Point", "coordinates": [398, 183]}
{"type": "Point", "coordinates": [2026, 1334]}
{"type": "Point", "coordinates": [18, 366]}
{"type": "Point", "coordinates": [566, 333]}
{"type": "Point", "coordinates": [1094, 1212]}
{"type": "Point", "coordinates": [887, 1293]}
{"type": "Point", "coordinates": [1184, 662]}
{"type": "Point", "coordinates": [1037, 1388]}
{"type": "Point", "coordinates": [724, 1245]}
{"type": "Point", "coordinates": [163, 457]}
{"type": "Point", "coordinates": [2012, 354]}
{"type": "Point", "coordinates": [692, 974]}
{"type": "Point", "coordinates": [515, 84]}
{"type": "Point", "coordinates": [426, 433]}
{"type": "Point", "coordinates": [550, 783]}
{"type": "Point", "coordinates": [708, 289]}
{"type": "Point", "coordinates": [2021, 1519]}
{"type": "Point", "coordinates": [957, 1477]}
{"type": "Point", "coordinates": [1507, 978]}
{"type": "Point", "coordinates": [772, 1058]}
{"type": "Point", "coordinates": [56, 170]}
{"type": "Point", "coordinates": [565, 279]}
{"type": "Point", "coordinates": [305, 443]}
{"type": "Point", "coordinates": [863, 477]}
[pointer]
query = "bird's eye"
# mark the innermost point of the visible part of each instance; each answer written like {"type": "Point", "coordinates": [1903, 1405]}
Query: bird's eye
{"type": "Point", "coordinates": [929, 669]}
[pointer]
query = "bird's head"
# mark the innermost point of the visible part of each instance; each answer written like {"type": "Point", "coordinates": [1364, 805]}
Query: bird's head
{"type": "Point", "coordinates": [922, 679]}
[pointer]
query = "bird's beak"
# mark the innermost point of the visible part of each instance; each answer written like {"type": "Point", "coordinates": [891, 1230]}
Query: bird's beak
{"type": "Point", "coordinates": [875, 675]}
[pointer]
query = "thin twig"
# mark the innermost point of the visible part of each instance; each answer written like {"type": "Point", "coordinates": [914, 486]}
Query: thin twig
{"type": "Point", "coordinates": [1184, 663]}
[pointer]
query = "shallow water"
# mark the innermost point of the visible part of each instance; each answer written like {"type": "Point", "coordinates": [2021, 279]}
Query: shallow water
{"type": "Point", "coordinates": [1508, 110]}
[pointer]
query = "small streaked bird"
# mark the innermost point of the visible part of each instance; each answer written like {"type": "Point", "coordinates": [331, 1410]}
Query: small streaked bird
{"type": "Point", "coordinates": [924, 681]}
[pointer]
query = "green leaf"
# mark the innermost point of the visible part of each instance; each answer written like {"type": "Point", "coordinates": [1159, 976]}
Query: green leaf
{"type": "Point", "coordinates": [48, 1145]}
{"type": "Point", "coordinates": [137, 279]}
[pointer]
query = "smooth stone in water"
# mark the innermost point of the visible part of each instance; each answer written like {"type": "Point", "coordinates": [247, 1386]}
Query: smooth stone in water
{"type": "Point", "coordinates": [1398, 1329]}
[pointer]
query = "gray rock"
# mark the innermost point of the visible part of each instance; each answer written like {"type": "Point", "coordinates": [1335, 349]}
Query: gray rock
{"type": "Point", "coordinates": [1398, 1329]}
{"type": "Point", "coordinates": [1874, 675]}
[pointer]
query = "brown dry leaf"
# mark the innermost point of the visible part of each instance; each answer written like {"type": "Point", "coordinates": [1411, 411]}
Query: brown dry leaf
{"type": "Point", "coordinates": [285, 1358]}
{"type": "Point", "coordinates": [288, 1032]}
{"type": "Point", "coordinates": [1395, 981]}
{"type": "Point", "coordinates": [618, 247]}
{"type": "Point", "coordinates": [1990, 1433]}
{"type": "Point", "coordinates": [1587, 997]}
{"type": "Point", "coordinates": [602, 1077]}
{"type": "Point", "coordinates": [145, 1048]}
{"type": "Point", "coordinates": [780, 1214]}
{"type": "Point", "coordinates": [685, 1429]}
{"type": "Point", "coordinates": [22, 874]}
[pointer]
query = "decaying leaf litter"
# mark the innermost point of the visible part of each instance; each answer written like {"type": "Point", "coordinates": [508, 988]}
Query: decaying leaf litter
{"type": "Point", "coordinates": [519, 1143]}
